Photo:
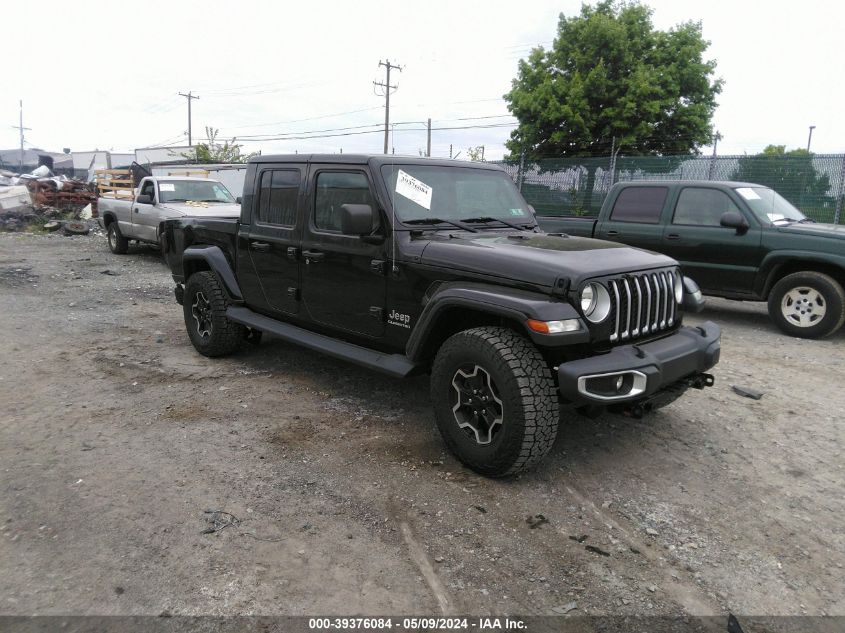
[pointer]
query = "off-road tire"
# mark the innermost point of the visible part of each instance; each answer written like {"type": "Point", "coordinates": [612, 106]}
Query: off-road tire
{"type": "Point", "coordinates": [223, 336]}
{"type": "Point", "coordinates": [118, 244]}
{"type": "Point", "coordinates": [832, 296]}
{"type": "Point", "coordinates": [525, 387]}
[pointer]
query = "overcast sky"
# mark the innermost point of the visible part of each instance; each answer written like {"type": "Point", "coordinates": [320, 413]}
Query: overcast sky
{"type": "Point", "coordinates": [106, 76]}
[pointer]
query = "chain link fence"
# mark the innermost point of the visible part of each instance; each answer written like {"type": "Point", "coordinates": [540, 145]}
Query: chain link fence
{"type": "Point", "coordinates": [577, 186]}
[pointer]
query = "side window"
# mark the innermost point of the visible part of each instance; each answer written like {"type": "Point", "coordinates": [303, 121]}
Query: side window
{"type": "Point", "coordinates": [639, 204]}
{"type": "Point", "coordinates": [334, 189]}
{"type": "Point", "coordinates": [148, 189]}
{"type": "Point", "coordinates": [278, 194]}
{"type": "Point", "coordinates": [702, 207]}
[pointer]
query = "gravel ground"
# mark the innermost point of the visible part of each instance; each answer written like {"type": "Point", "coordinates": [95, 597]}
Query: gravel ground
{"type": "Point", "coordinates": [117, 438]}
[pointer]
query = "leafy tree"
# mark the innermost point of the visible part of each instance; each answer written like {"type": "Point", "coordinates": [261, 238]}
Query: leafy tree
{"type": "Point", "coordinates": [791, 174]}
{"type": "Point", "coordinates": [216, 152]}
{"type": "Point", "coordinates": [609, 74]}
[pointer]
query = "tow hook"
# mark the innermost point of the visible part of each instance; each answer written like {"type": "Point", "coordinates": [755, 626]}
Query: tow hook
{"type": "Point", "coordinates": [702, 380]}
{"type": "Point", "coordinates": [179, 291]}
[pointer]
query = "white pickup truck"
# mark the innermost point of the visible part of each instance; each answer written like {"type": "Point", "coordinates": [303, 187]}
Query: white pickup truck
{"type": "Point", "coordinates": [141, 215]}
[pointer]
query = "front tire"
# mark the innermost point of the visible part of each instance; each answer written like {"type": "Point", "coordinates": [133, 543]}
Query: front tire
{"type": "Point", "coordinates": [807, 305]}
{"type": "Point", "coordinates": [204, 306]}
{"type": "Point", "coordinates": [495, 401]}
{"type": "Point", "coordinates": [118, 244]}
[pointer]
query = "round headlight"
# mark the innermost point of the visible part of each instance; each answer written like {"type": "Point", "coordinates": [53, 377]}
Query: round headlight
{"type": "Point", "coordinates": [595, 302]}
{"type": "Point", "coordinates": [679, 286]}
{"type": "Point", "coordinates": [588, 299]}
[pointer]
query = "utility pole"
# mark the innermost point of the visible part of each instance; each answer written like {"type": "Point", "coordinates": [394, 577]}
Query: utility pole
{"type": "Point", "coordinates": [428, 142]}
{"type": "Point", "coordinates": [810, 138]}
{"type": "Point", "coordinates": [387, 88]}
{"type": "Point", "coordinates": [716, 138]}
{"type": "Point", "coordinates": [190, 98]}
{"type": "Point", "coordinates": [21, 129]}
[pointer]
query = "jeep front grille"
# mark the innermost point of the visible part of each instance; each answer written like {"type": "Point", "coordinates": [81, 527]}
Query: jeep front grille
{"type": "Point", "coordinates": [641, 304]}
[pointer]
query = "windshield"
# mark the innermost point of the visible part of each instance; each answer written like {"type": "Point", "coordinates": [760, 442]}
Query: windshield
{"type": "Point", "coordinates": [769, 206]}
{"type": "Point", "coordinates": [195, 190]}
{"type": "Point", "coordinates": [453, 194]}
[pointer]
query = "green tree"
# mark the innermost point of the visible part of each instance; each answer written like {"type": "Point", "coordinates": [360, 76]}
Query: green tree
{"type": "Point", "coordinates": [790, 173]}
{"type": "Point", "coordinates": [609, 74]}
{"type": "Point", "coordinates": [215, 152]}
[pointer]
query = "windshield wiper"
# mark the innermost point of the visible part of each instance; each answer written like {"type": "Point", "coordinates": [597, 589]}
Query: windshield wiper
{"type": "Point", "coordinates": [802, 220]}
{"type": "Point", "coordinates": [440, 221]}
{"type": "Point", "coordinates": [487, 219]}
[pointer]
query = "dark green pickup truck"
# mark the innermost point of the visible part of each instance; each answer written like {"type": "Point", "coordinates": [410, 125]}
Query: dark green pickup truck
{"type": "Point", "coordinates": [737, 240]}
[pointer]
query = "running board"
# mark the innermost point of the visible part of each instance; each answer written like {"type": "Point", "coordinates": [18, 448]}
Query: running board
{"type": "Point", "coordinates": [396, 365]}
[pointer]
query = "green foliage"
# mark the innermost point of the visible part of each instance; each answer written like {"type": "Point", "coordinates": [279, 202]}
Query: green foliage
{"type": "Point", "coordinates": [608, 74]}
{"type": "Point", "coordinates": [476, 154]}
{"type": "Point", "coordinates": [215, 152]}
{"type": "Point", "coordinates": [791, 173]}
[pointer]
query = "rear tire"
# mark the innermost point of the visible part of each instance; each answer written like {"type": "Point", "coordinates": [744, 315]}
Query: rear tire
{"type": "Point", "coordinates": [495, 401]}
{"type": "Point", "coordinates": [204, 306]}
{"type": "Point", "coordinates": [118, 244]}
{"type": "Point", "coordinates": [807, 305]}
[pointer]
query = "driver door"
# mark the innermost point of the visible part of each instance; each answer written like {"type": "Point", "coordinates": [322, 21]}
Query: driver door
{"type": "Point", "coordinates": [145, 217]}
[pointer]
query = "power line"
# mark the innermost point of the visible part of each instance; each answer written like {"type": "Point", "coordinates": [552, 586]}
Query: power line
{"type": "Point", "coordinates": [387, 88]}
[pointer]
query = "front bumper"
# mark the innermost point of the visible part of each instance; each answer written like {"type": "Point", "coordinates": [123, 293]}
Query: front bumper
{"type": "Point", "coordinates": [639, 371]}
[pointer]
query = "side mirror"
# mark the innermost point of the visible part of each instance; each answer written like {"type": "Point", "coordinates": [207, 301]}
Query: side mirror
{"type": "Point", "coordinates": [144, 199]}
{"type": "Point", "coordinates": [238, 200]}
{"type": "Point", "coordinates": [356, 219]}
{"type": "Point", "coordinates": [693, 299]}
{"type": "Point", "coordinates": [734, 220]}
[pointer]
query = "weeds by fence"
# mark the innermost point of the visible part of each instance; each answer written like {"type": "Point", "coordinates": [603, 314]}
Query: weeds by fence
{"type": "Point", "coordinates": [578, 186]}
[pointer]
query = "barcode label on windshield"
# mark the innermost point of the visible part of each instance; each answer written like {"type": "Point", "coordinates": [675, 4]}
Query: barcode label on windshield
{"type": "Point", "coordinates": [413, 189]}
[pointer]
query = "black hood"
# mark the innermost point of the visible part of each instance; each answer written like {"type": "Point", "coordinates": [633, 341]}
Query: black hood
{"type": "Point", "coordinates": [537, 258]}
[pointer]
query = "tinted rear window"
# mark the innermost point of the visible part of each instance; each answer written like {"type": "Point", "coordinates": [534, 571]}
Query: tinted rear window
{"type": "Point", "coordinates": [639, 204]}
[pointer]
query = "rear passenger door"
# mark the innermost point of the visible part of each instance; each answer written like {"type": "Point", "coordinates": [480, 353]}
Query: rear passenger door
{"type": "Point", "coordinates": [343, 280]}
{"type": "Point", "coordinates": [635, 217]}
{"type": "Point", "coordinates": [275, 233]}
{"type": "Point", "coordinates": [719, 259]}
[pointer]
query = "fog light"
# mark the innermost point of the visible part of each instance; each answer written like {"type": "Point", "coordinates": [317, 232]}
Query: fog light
{"type": "Point", "coordinates": [613, 386]}
{"type": "Point", "coordinates": [553, 327]}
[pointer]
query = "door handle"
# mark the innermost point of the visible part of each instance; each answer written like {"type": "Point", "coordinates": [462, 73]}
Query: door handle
{"type": "Point", "coordinates": [673, 236]}
{"type": "Point", "coordinates": [314, 256]}
{"type": "Point", "coordinates": [259, 246]}
{"type": "Point", "coordinates": [612, 233]}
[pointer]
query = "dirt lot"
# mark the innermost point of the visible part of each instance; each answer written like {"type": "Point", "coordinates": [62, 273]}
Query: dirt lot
{"type": "Point", "coordinates": [116, 437]}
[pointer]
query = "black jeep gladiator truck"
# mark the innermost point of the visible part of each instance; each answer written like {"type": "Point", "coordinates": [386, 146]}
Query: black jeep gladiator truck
{"type": "Point", "coordinates": [737, 240]}
{"type": "Point", "coordinates": [410, 265]}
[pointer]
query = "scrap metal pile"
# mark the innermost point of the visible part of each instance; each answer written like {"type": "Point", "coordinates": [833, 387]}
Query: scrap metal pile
{"type": "Point", "coordinates": [27, 199]}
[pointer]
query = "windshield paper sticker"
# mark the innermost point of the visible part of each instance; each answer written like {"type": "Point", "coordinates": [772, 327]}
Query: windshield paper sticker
{"type": "Point", "coordinates": [518, 212]}
{"type": "Point", "coordinates": [166, 186]}
{"type": "Point", "coordinates": [748, 193]}
{"type": "Point", "coordinates": [413, 189]}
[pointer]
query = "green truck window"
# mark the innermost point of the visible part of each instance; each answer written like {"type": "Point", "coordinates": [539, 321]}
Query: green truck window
{"type": "Point", "coordinates": [702, 207]}
{"type": "Point", "coordinates": [639, 204]}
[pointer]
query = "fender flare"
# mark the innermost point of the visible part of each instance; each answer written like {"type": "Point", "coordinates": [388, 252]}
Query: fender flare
{"type": "Point", "coordinates": [510, 303]}
{"type": "Point", "coordinates": [773, 262]}
{"type": "Point", "coordinates": [217, 262]}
